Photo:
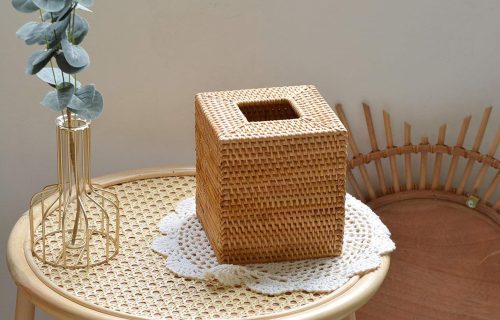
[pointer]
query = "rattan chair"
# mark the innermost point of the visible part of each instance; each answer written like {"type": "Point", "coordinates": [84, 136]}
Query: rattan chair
{"type": "Point", "coordinates": [445, 221]}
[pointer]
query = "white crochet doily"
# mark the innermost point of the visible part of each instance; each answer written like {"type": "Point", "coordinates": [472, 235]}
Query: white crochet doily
{"type": "Point", "coordinates": [189, 254]}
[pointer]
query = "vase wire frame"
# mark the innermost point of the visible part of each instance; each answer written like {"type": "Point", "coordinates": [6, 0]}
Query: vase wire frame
{"type": "Point", "coordinates": [79, 220]}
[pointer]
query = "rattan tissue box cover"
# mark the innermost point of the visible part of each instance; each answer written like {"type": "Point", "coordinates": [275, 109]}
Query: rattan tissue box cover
{"type": "Point", "coordinates": [270, 174]}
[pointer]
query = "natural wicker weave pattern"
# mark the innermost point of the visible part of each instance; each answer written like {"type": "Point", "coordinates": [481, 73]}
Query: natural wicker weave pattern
{"type": "Point", "coordinates": [483, 198]}
{"type": "Point", "coordinates": [440, 199]}
{"type": "Point", "coordinates": [271, 169]}
{"type": "Point", "coordinates": [136, 284]}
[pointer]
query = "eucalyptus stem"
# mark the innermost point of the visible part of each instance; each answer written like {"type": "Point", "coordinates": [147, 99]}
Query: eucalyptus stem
{"type": "Point", "coordinates": [53, 72]}
{"type": "Point", "coordinates": [47, 46]}
{"type": "Point", "coordinates": [52, 66]}
{"type": "Point", "coordinates": [73, 24]}
{"type": "Point", "coordinates": [72, 143]}
{"type": "Point", "coordinates": [68, 120]}
{"type": "Point", "coordinates": [72, 154]}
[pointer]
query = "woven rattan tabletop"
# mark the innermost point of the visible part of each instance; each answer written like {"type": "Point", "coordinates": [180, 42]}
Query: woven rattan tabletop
{"type": "Point", "coordinates": [136, 284]}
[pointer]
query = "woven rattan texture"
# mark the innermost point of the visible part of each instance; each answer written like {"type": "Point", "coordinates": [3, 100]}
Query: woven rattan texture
{"type": "Point", "coordinates": [137, 283]}
{"type": "Point", "coordinates": [270, 190]}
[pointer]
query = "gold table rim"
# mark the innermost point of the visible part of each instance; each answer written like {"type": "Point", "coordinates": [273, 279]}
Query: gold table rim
{"type": "Point", "coordinates": [55, 301]}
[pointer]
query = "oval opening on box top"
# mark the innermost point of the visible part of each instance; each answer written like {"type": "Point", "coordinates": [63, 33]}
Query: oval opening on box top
{"type": "Point", "coordinates": [268, 110]}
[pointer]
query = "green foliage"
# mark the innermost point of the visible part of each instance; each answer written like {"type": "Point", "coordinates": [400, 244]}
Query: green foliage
{"type": "Point", "coordinates": [76, 56]}
{"type": "Point", "coordinates": [65, 92]}
{"type": "Point", "coordinates": [32, 32]}
{"type": "Point", "coordinates": [81, 28]}
{"type": "Point", "coordinates": [25, 6]}
{"type": "Point", "coordinates": [83, 97]}
{"type": "Point", "coordinates": [61, 31]}
{"type": "Point", "coordinates": [53, 76]}
{"type": "Point", "coordinates": [50, 101]}
{"type": "Point", "coordinates": [94, 108]}
{"type": "Point", "coordinates": [50, 5]}
{"type": "Point", "coordinates": [38, 60]}
{"type": "Point", "coordinates": [87, 102]}
{"type": "Point", "coordinates": [65, 65]}
{"type": "Point", "coordinates": [87, 3]}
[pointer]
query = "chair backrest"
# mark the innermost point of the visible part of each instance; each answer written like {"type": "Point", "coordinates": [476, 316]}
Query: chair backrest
{"type": "Point", "coordinates": [480, 193]}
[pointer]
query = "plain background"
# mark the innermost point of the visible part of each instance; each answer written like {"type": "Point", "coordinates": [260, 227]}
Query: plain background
{"type": "Point", "coordinates": [427, 62]}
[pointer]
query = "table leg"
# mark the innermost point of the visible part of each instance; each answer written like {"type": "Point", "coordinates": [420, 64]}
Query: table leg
{"type": "Point", "coordinates": [352, 316]}
{"type": "Point", "coordinates": [25, 310]}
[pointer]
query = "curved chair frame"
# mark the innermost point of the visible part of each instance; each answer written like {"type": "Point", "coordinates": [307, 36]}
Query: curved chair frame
{"type": "Point", "coordinates": [386, 192]}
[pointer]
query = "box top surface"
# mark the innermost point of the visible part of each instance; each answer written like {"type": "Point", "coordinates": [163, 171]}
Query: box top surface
{"type": "Point", "coordinates": [268, 112]}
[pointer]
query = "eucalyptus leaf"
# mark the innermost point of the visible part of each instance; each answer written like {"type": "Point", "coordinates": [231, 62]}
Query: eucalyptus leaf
{"type": "Point", "coordinates": [50, 5]}
{"type": "Point", "coordinates": [54, 16]}
{"type": "Point", "coordinates": [50, 101]}
{"type": "Point", "coordinates": [33, 32]}
{"type": "Point", "coordinates": [25, 6]}
{"type": "Point", "coordinates": [48, 16]}
{"type": "Point", "coordinates": [75, 55]}
{"type": "Point", "coordinates": [56, 33]}
{"type": "Point", "coordinates": [94, 109]}
{"type": "Point", "coordinates": [61, 42]}
{"type": "Point", "coordinates": [47, 76]}
{"type": "Point", "coordinates": [84, 8]}
{"type": "Point", "coordinates": [65, 66]}
{"type": "Point", "coordinates": [83, 98]}
{"type": "Point", "coordinates": [45, 56]}
{"type": "Point", "coordinates": [65, 92]}
{"type": "Point", "coordinates": [38, 60]}
{"type": "Point", "coordinates": [86, 3]}
{"type": "Point", "coordinates": [81, 28]}
{"type": "Point", "coordinates": [68, 8]}
{"type": "Point", "coordinates": [44, 33]}
{"type": "Point", "coordinates": [26, 29]}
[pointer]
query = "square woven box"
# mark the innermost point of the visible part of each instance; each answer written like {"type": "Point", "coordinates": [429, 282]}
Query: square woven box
{"type": "Point", "coordinates": [270, 174]}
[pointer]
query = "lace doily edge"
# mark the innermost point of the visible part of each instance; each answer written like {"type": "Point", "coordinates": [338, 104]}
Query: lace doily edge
{"type": "Point", "coordinates": [166, 245]}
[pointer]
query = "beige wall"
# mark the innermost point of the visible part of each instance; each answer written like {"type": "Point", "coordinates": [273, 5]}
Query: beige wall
{"type": "Point", "coordinates": [424, 61]}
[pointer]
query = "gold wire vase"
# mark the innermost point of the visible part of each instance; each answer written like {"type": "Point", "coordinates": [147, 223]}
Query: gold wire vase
{"type": "Point", "coordinates": [74, 223]}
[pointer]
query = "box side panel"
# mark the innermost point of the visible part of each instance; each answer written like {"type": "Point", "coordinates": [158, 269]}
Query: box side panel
{"type": "Point", "coordinates": [283, 199]}
{"type": "Point", "coordinates": [340, 166]}
{"type": "Point", "coordinates": [208, 176]}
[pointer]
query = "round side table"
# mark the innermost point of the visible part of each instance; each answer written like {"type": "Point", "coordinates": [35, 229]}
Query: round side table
{"type": "Point", "coordinates": [136, 284]}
